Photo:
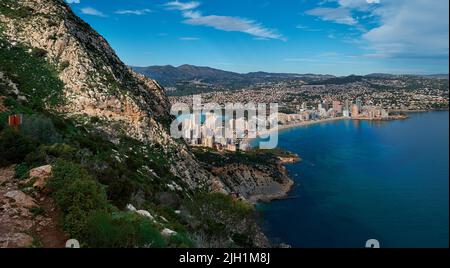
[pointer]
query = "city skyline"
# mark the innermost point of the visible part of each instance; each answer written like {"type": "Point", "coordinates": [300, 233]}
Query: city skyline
{"type": "Point", "coordinates": [339, 37]}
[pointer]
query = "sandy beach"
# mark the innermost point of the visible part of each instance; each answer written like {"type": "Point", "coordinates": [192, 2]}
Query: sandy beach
{"type": "Point", "coordinates": [301, 124]}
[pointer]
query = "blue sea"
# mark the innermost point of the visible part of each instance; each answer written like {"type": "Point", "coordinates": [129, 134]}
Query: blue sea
{"type": "Point", "coordinates": [361, 180]}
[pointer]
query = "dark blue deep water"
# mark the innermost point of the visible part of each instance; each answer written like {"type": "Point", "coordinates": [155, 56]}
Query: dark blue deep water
{"type": "Point", "coordinates": [361, 180]}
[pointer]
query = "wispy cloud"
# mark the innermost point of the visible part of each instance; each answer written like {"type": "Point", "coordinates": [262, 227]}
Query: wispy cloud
{"type": "Point", "coordinates": [133, 12]}
{"type": "Point", "coordinates": [73, 1]}
{"type": "Point", "coordinates": [223, 23]}
{"type": "Point", "coordinates": [177, 5]}
{"type": "Point", "coordinates": [404, 28]}
{"type": "Point", "coordinates": [92, 11]}
{"type": "Point", "coordinates": [421, 29]}
{"type": "Point", "coordinates": [338, 15]}
{"type": "Point", "coordinates": [235, 24]}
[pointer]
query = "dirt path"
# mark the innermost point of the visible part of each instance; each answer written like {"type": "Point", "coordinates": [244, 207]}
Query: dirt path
{"type": "Point", "coordinates": [27, 218]}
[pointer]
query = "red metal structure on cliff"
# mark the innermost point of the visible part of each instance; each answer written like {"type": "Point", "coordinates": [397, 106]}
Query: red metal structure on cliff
{"type": "Point", "coordinates": [15, 120]}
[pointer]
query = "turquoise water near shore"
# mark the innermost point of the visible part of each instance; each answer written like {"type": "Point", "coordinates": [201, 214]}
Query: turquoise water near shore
{"type": "Point", "coordinates": [363, 180]}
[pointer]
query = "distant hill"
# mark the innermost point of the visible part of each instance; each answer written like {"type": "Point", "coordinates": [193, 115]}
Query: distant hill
{"type": "Point", "coordinates": [169, 75]}
{"type": "Point", "coordinates": [384, 75]}
{"type": "Point", "coordinates": [169, 72]}
{"type": "Point", "coordinates": [340, 80]}
{"type": "Point", "coordinates": [439, 76]}
{"type": "Point", "coordinates": [190, 78]}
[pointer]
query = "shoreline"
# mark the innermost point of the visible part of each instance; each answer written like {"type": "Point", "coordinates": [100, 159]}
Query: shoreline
{"type": "Point", "coordinates": [313, 122]}
{"type": "Point", "coordinates": [300, 124]}
{"type": "Point", "coordinates": [287, 185]}
{"type": "Point", "coordinates": [282, 193]}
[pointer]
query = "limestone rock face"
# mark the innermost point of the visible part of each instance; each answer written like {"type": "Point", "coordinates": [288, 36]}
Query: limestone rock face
{"type": "Point", "coordinates": [17, 219]}
{"type": "Point", "coordinates": [97, 84]}
{"type": "Point", "coordinates": [145, 213]}
{"type": "Point", "coordinates": [21, 199]}
{"type": "Point", "coordinates": [255, 183]}
{"type": "Point", "coordinates": [41, 176]}
{"type": "Point", "coordinates": [15, 240]}
{"type": "Point", "coordinates": [167, 232]}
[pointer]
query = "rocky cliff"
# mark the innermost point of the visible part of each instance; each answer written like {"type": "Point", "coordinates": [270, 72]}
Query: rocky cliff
{"type": "Point", "coordinates": [96, 83]}
{"type": "Point", "coordinates": [104, 131]}
{"type": "Point", "coordinates": [256, 175]}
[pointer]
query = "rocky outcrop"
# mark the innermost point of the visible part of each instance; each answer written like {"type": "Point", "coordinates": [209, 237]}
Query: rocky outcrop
{"type": "Point", "coordinates": [20, 199]}
{"type": "Point", "coordinates": [26, 217]}
{"type": "Point", "coordinates": [15, 240]}
{"type": "Point", "coordinates": [255, 183]}
{"type": "Point", "coordinates": [97, 84]}
{"type": "Point", "coordinates": [255, 175]}
{"type": "Point", "coordinates": [40, 175]}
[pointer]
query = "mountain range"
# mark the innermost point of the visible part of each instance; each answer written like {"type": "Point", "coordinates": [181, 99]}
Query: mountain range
{"type": "Point", "coordinates": [169, 75]}
{"type": "Point", "coordinates": [190, 78]}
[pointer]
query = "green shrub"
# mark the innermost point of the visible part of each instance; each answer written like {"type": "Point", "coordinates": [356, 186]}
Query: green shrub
{"type": "Point", "coordinates": [242, 240]}
{"type": "Point", "coordinates": [148, 235]}
{"type": "Point", "coordinates": [14, 146]}
{"type": "Point", "coordinates": [181, 241]}
{"type": "Point", "coordinates": [36, 158]}
{"type": "Point", "coordinates": [40, 128]}
{"type": "Point", "coordinates": [82, 193]}
{"type": "Point", "coordinates": [3, 120]}
{"type": "Point", "coordinates": [77, 196]}
{"type": "Point", "coordinates": [120, 191]}
{"type": "Point", "coordinates": [122, 230]}
{"type": "Point", "coordinates": [221, 217]}
{"type": "Point", "coordinates": [60, 150]}
{"type": "Point", "coordinates": [21, 171]}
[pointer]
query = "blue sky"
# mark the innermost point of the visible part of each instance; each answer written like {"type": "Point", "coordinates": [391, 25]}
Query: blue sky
{"type": "Point", "coordinates": [337, 37]}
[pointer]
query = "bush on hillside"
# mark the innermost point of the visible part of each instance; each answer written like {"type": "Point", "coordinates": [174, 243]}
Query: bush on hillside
{"type": "Point", "coordinates": [218, 214]}
{"type": "Point", "coordinates": [3, 120]}
{"type": "Point", "coordinates": [77, 195]}
{"type": "Point", "coordinates": [14, 146]}
{"type": "Point", "coordinates": [40, 128]}
{"type": "Point", "coordinates": [122, 230]}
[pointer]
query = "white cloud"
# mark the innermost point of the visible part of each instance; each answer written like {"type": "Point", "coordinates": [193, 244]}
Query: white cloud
{"type": "Point", "coordinates": [411, 28]}
{"type": "Point", "coordinates": [338, 15]}
{"type": "Point", "coordinates": [177, 5]}
{"type": "Point", "coordinates": [223, 23]}
{"type": "Point", "coordinates": [133, 12]}
{"type": "Point", "coordinates": [358, 4]}
{"type": "Point", "coordinates": [73, 1]}
{"type": "Point", "coordinates": [405, 28]}
{"type": "Point", "coordinates": [92, 11]}
{"type": "Point", "coordinates": [234, 24]}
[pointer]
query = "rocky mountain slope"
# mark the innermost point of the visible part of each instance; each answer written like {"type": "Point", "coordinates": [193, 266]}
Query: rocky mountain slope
{"type": "Point", "coordinates": [96, 83]}
{"type": "Point", "coordinates": [117, 177]}
{"type": "Point", "coordinates": [27, 219]}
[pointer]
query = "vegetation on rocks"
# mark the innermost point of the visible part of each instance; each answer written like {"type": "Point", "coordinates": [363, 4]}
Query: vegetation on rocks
{"type": "Point", "coordinates": [28, 69]}
{"type": "Point", "coordinates": [100, 165]}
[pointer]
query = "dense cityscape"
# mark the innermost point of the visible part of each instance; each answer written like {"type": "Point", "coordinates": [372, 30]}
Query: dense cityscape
{"type": "Point", "coordinates": [301, 103]}
{"type": "Point", "coordinates": [402, 93]}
